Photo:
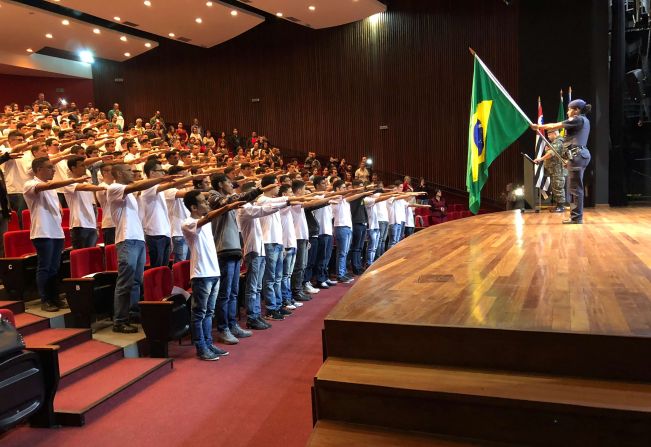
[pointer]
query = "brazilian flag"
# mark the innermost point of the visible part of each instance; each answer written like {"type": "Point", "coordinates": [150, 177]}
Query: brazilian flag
{"type": "Point", "coordinates": [495, 123]}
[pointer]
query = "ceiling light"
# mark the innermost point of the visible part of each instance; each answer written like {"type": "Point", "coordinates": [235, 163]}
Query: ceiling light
{"type": "Point", "coordinates": [127, 54]}
{"type": "Point", "coordinates": [148, 45]}
{"type": "Point", "coordinates": [48, 35]}
{"type": "Point", "coordinates": [96, 30]}
{"type": "Point", "coordinates": [198, 20]}
{"type": "Point", "coordinates": [171, 34]}
{"type": "Point", "coordinates": [123, 38]}
{"type": "Point", "coordinates": [311, 8]}
{"type": "Point", "coordinates": [117, 18]}
{"type": "Point", "coordinates": [65, 22]}
{"type": "Point", "coordinates": [233, 13]}
{"type": "Point", "coordinates": [86, 56]}
{"type": "Point", "coordinates": [29, 50]}
{"type": "Point", "coordinates": [209, 4]}
{"type": "Point", "coordinates": [279, 14]}
{"type": "Point", "coordinates": [147, 3]}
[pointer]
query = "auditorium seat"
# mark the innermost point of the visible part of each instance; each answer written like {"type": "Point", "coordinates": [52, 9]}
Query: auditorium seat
{"type": "Point", "coordinates": [65, 217]}
{"type": "Point", "coordinates": [164, 316]}
{"type": "Point", "coordinates": [466, 213]}
{"type": "Point", "coordinates": [99, 218]}
{"type": "Point", "coordinates": [14, 224]}
{"type": "Point", "coordinates": [27, 220]}
{"type": "Point", "coordinates": [454, 215]}
{"type": "Point", "coordinates": [456, 207]}
{"type": "Point", "coordinates": [18, 267]}
{"type": "Point", "coordinates": [89, 297]}
{"type": "Point", "coordinates": [181, 273]}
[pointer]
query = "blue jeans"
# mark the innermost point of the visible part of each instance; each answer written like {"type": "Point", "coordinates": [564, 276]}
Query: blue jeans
{"type": "Point", "coordinates": [254, 272]}
{"type": "Point", "coordinates": [83, 237]}
{"type": "Point", "coordinates": [273, 274]}
{"type": "Point", "coordinates": [311, 267]}
{"type": "Point", "coordinates": [409, 231]}
{"type": "Point", "coordinates": [204, 294]}
{"type": "Point", "coordinates": [228, 290]}
{"type": "Point", "coordinates": [159, 250]}
{"type": "Point", "coordinates": [48, 260]}
{"type": "Point", "coordinates": [180, 249]}
{"type": "Point", "coordinates": [300, 263]}
{"type": "Point", "coordinates": [371, 248]}
{"type": "Point", "coordinates": [288, 268]}
{"type": "Point", "coordinates": [343, 236]}
{"type": "Point", "coordinates": [395, 231]}
{"type": "Point", "coordinates": [382, 239]}
{"type": "Point", "coordinates": [359, 235]}
{"type": "Point", "coordinates": [575, 169]}
{"type": "Point", "coordinates": [323, 257]}
{"type": "Point", "coordinates": [131, 266]}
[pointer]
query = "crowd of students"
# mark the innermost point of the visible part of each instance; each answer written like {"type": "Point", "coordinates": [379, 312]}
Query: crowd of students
{"type": "Point", "coordinates": [217, 202]}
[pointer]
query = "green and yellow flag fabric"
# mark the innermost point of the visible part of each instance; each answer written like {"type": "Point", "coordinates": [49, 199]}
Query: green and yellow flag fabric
{"type": "Point", "coordinates": [495, 122]}
{"type": "Point", "coordinates": [561, 114]}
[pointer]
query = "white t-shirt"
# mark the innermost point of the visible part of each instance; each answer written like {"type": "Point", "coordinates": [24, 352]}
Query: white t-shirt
{"type": "Point", "coordinates": [203, 254]}
{"type": "Point", "coordinates": [248, 219]}
{"type": "Point", "coordinates": [300, 222]}
{"type": "Point", "coordinates": [324, 217]}
{"type": "Point", "coordinates": [409, 215]}
{"type": "Point", "coordinates": [80, 203]}
{"type": "Point", "coordinates": [272, 231]}
{"type": "Point", "coordinates": [289, 232]}
{"type": "Point", "coordinates": [155, 221]}
{"type": "Point", "coordinates": [45, 211]}
{"type": "Point", "coordinates": [107, 219]}
{"type": "Point", "coordinates": [177, 211]}
{"type": "Point", "coordinates": [382, 211]}
{"type": "Point", "coordinates": [341, 212]}
{"type": "Point", "coordinates": [124, 211]}
{"type": "Point", "coordinates": [18, 172]}
{"type": "Point", "coordinates": [371, 213]}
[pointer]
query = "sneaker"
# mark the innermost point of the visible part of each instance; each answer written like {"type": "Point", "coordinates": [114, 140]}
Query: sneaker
{"type": "Point", "coordinates": [216, 350]}
{"type": "Point", "coordinates": [226, 337]}
{"type": "Point", "coordinates": [284, 312]}
{"type": "Point", "coordinates": [49, 307]}
{"type": "Point", "coordinates": [273, 315]}
{"type": "Point", "coordinates": [331, 282]}
{"type": "Point", "coordinates": [323, 285]}
{"type": "Point", "coordinates": [302, 297]}
{"type": "Point", "coordinates": [61, 304]}
{"type": "Point", "coordinates": [257, 324]}
{"type": "Point", "coordinates": [349, 277]}
{"type": "Point", "coordinates": [344, 279]}
{"type": "Point", "coordinates": [124, 328]}
{"type": "Point", "coordinates": [238, 332]}
{"type": "Point", "coordinates": [297, 304]}
{"type": "Point", "coordinates": [309, 288]}
{"type": "Point", "coordinates": [288, 305]}
{"type": "Point", "coordinates": [207, 355]}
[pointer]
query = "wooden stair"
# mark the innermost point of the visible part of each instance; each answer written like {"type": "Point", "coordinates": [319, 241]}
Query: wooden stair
{"type": "Point", "coordinates": [494, 406]}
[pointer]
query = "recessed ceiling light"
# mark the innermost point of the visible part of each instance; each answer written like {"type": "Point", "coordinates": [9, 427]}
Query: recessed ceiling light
{"type": "Point", "coordinates": [147, 3]}
{"type": "Point", "coordinates": [48, 35]}
{"type": "Point", "coordinates": [123, 38]}
{"type": "Point", "coordinates": [279, 14]}
{"type": "Point", "coordinates": [198, 20]}
{"type": "Point", "coordinates": [117, 18]}
{"type": "Point", "coordinates": [148, 45]}
{"type": "Point", "coordinates": [171, 34]}
{"type": "Point", "coordinates": [127, 54]}
{"type": "Point", "coordinates": [209, 4]}
{"type": "Point", "coordinates": [29, 50]}
{"type": "Point", "coordinates": [311, 8]}
{"type": "Point", "coordinates": [96, 30]}
{"type": "Point", "coordinates": [65, 22]}
{"type": "Point", "coordinates": [233, 13]}
{"type": "Point", "coordinates": [86, 56]}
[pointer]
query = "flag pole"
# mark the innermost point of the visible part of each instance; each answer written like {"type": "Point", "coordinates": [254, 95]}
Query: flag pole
{"type": "Point", "coordinates": [513, 103]}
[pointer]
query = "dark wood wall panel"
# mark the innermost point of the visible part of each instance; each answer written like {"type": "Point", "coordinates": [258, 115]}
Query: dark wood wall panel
{"type": "Point", "coordinates": [330, 90]}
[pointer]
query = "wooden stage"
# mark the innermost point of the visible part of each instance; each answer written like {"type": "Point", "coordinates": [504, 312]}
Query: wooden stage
{"type": "Point", "coordinates": [506, 327]}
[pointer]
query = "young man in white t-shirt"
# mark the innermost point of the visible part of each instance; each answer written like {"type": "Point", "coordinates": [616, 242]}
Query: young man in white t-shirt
{"type": "Point", "coordinates": [130, 242]}
{"type": "Point", "coordinates": [107, 225]}
{"type": "Point", "coordinates": [46, 232]}
{"type": "Point", "coordinates": [204, 270]}
{"type": "Point", "coordinates": [81, 202]}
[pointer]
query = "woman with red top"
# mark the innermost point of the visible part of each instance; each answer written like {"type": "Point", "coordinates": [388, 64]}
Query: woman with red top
{"type": "Point", "coordinates": [182, 133]}
{"type": "Point", "coordinates": [439, 208]}
{"type": "Point", "coordinates": [406, 184]}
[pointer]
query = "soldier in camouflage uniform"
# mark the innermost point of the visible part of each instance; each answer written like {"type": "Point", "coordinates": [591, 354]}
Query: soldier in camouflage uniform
{"type": "Point", "coordinates": [555, 170]}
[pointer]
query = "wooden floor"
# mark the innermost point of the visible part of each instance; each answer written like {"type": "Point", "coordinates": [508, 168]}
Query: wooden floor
{"type": "Point", "coordinates": [515, 271]}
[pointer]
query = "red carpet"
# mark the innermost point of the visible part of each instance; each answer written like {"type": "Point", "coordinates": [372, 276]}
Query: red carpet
{"type": "Point", "coordinates": [259, 395]}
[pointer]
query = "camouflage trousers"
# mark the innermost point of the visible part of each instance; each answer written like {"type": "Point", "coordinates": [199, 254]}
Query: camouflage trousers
{"type": "Point", "coordinates": [557, 182]}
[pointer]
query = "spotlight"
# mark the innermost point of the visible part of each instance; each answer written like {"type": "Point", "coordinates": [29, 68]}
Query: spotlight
{"type": "Point", "coordinates": [519, 191]}
{"type": "Point", "coordinates": [233, 13]}
{"type": "Point", "coordinates": [86, 56]}
{"type": "Point", "coordinates": [96, 30]}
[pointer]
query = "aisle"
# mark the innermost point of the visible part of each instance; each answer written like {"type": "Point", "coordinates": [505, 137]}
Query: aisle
{"type": "Point", "coordinates": [258, 395]}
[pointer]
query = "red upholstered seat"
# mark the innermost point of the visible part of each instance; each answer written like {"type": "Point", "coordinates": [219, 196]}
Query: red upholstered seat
{"type": "Point", "coordinates": [27, 220]}
{"type": "Point", "coordinates": [8, 315]}
{"type": "Point", "coordinates": [454, 215]}
{"type": "Point", "coordinates": [14, 225]}
{"type": "Point", "coordinates": [99, 218]}
{"type": "Point", "coordinates": [67, 240]}
{"type": "Point", "coordinates": [85, 261]}
{"type": "Point", "coordinates": [466, 213]}
{"type": "Point", "coordinates": [111, 256]}
{"type": "Point", "coordinates": [157, 283]}
{"type": "Point", "coordinates": [18, 243]}
{"type": "Point", "coordinates": [181, 273]}
{"type": "Point", "coordinates": [65, 218]}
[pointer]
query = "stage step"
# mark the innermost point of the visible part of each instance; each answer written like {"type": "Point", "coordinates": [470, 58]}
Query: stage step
{"type": "Point", "coordinates": [84, 359]}
{"type": "Point", "coordinates": [537, 410]}
{"type": "Point", "coordinates": [64, 338]}
{"type": "Point", "coordinates": [541, 352]}
{"type": "Point", "coordinates": [88, 397]}
{"type": "Point", "coordinates": [16, 307]}
{"type": "Point", "coordinates": [27, 323]}
{"type": "Point", "coordinates": [339, 434]}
